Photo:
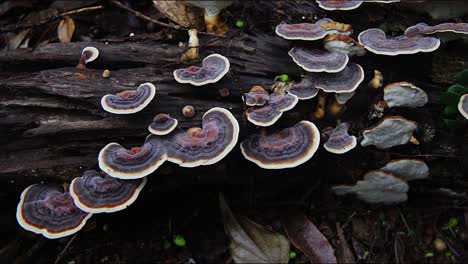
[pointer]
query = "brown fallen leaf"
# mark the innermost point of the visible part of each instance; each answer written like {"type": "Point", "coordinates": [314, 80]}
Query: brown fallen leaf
{"type": "Point", "coordinates": [307, 238]}
{"type": "Point", "coordinates": [65, 29]}
{"type": "Point", "coordinates": [177, 11]}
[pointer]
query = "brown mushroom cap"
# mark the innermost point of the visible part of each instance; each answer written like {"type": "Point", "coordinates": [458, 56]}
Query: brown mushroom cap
{"type": "Point", "coordinates": [463, 105]}
{"type": "Point", "coordinates": [390, 131]}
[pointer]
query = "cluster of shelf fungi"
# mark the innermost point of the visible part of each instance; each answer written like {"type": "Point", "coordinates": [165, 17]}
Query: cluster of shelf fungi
{"type": "Point", "coordinates": [54, 212]}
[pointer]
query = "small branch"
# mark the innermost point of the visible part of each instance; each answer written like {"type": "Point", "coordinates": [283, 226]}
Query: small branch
{"type": "Point", "coordinates": [76, 11]}
{"type": "Point", "coordinates": [64, 250]}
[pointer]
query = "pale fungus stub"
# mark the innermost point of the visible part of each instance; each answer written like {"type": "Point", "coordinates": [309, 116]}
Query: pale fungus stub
{"type": "Point", "coordinates": [377, 81]}
{"type": "Point", "coordinates": [287, 149]}
{"type": "Point", "coordinates": [135, 163]}
{"type": "Point", "coordinates": [376, 187]}
{"type": "Point", "coordinates": [343, 44]}
{"type": "Point", "coordinates": [188, 111]}
{"type": "Point", "coordinates": [47, 210]}
{"type": "Point", "coordinates": [162, 124]}
{"type": "Point", "coordinates": [304, 90]}
{"type": "Point", "coordinates": [129, 101]}
{"type": "Point", "coordinates": [303, 31]}
{"type": "Point", "coordinates": [404, 94]}
{"type": "Point", "coordinates": [390, 131]}
{"type": "Point", "coordinates": [376, 41]}
{"type": "Point", "coordinates": [263, 116]}
{"type": "Point", "coordinates": [213, 68]}
{"type": "Point", "coordinates": [463, 105]}
{"type": "Point", "coordinates": [425, 29]}
{"type": "Point", "coordinates": [339, 141]}
{"type": "Point", "coordinates": [88, 54]}
{"type": "Point", "coordinates": [212, 9]}
{"type": "Point", "coordinates": [344, 81]}
{"type": "Point", "coordinates": [257, 96]}
{"type": "Point", "coordinates": [206, 145]}
{"type": "Point", "coordinates": [94, 192]}
{"type": "Point", "coordinates": [407, 169]}
{"type": "Point", "coordinates": [314, 60]}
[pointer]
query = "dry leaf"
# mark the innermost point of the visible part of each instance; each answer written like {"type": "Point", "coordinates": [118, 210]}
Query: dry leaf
{"type": "Point", "coordinates": [177, 11]}
{"type": "Point", "coordinates": [307, 238]}
{"type": "Point", "coordinates": [251, 242]}
{"type": "Point", "coordinates": [65, 29]}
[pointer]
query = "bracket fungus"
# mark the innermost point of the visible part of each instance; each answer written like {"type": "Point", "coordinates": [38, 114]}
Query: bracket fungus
{"type": "Point", "coordinates": [47, 210]}
{"type": "Point", "coordinates": [376, 41]}
{"type": "Point", "coordinates": [206, 145]}
{"type": "Point", "coordinates": [213, 68]}
{"type": "Point", "coordinates": [129, 101]}
{"type": "Point", "coordinates": [135, 163]}
{"type": "Point", "coordinates": [377, 187]}
{"type": "Point", "coordinates": [332, 5]}
{"type": "Point", "coordinates": [88, 54]}
{"type": "Point", "coordinates": [390, 131]}
{"type": "Point", "coordinates": [257, 96]}
{"type": "Point", "coordinates": [463, 106]}
{"type": "Point", "coordinates": [404, 94]}
{"type": "Point", "coordinates": [303, 31]}
{"type": "Point", "coordinates": [212, 10]}
{"type": "Point", "coordinates": [343, 44]}
{"type": "Point", "coordinates": [94, 192]}
{"type": "Point", "coordinates": [339, 141]}
{"type": "Point", "coordinates": [425, 29]}
{"type": "Point", "coordinates": [314, 60]}
{"type": "Point", "coordinates": [344, 81]}
{"type": "Point", "coordinates": [407, 169]}
{"type": "Point", "coordinates": [289, 148]}
{"type": "Point", "coordinates": [268, 114]}
{"type": "Point", "coordinates": [162, 124]}
{"type": "Point", "coordinates": [304, 89]}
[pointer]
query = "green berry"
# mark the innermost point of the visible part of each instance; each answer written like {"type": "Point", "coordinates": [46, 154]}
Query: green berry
{"type": "Point", "coordinates": [239, 23]}
{"type": "Point", "coordinates": [179, 241]}
{"type": "Point", "coordinates": [282, 78]}
{"type": "Point", "coordinates": [292, 255]}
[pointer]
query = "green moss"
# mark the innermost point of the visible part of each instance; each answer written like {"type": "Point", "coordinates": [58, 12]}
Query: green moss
{"type": "Point", "coordinates": [462, 77]}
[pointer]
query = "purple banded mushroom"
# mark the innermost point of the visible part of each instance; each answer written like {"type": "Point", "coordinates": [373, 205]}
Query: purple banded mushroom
{"type": "Point", "coordinates": [463, 106]}
{"type": "Point", "coordinates": [425, 29]}
{"type": "Point", "coordinates": [94, 192]}
{"type": "Point", "coordinates": [376, 41]}
{"type": "Point", "coordinates": [88, 54]}
{"type": "Point", "coordinates": [162, 124]}
{"type": "Point", "coordinates": [404, 94]}
{"type": "Point", "coordinates": [268, 114]}
{"type": "Point", "coordinates": [377, 187]}
{"type": "Point", "coordinates": [390, 131]}
{"type": "Point", "coordinates": [344, 81]}
{"type": "Point", "coordinates": [206, 145]}
{"type": "Point", "coordinates": [287, 149]}
{"type": "Point", "coordinates": [332, 5]}
{"type": "Point", "coordinates": [343, 44]}
{"type": "Point", "coordinates": [283, 102]}
{"type": "Point", "coordinates": [314, 60]}
{"type": "Point", "coordinates": [213, 68]}
{"type": "Point", "coordinates": [257, 96]}
{"type": "Point", "coordinates": [304, 90]}
{"type": "Point", "coordinates": [48, 210]}
{"type": "Point", "coordinates": [212, 10]}
{"type": "Point", "coordinates": [407, 169]}
{"type": "Point", "coordinates": [135, 163]}
{"type": "Point", "coordinates": [129, 101]}
{"type": "Point", "coordinates": [339, 141]}
{"type": "Point", "coordinates": [303, 31]}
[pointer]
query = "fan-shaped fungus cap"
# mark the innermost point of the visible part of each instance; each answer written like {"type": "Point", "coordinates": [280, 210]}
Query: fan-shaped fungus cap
{"type": "Point", "coordinates": [463, 105]}
{"type": "Point", "coordinates": [347, 4]}
{"type": "Point", "coordinates": [303, 31]}
{"type": "Point", "coordinates": [263, 116]}
{"type": "Point", "coordinates": [314, 60]}
{"type": "Point", "coordinates": [390, 131]}
{"type": "Point", "coordinates": [404, 94]}
{"type": "Point", "coordinates": [100, 193]}
{"type": "Point", "coordinates": [212, 10]}
{"type": "Point", "coordinates": [339, 141]}
{"type": "Point", "coordinates": [407, 169]}
{"type": "Point", "coordinates": [377, 187]}
{"type": "Point", "coordinates": [376, 41]}
{"type": "Point", "coordinates": [287, 149]}
{"type": "Point", "coordinates": [304, 89]}
{"type": "Point", "coordinates": [257, 96]}
{"type": "Point", "coordinates": [135, 163]}
{"type": "Point", "coordinates": [204, 146]}
{"type": "Point", "coordinates": [129, 101]}
{"type": "Point", "coordinates": [88, 54]}
{"type": "Point", "coordinates": [344, 81]}
{"type": "Point", "coordinates": [162, 124]}
{"type": "Point", "coordinates": [343, 44]}
{"type": "Point", "coordinates": [213, 68]}
{"type": "Point", "coordinates": [47, 210]}
{"type": "Point", "coordinates": [283, 102]}
{"type": "Point", "coordinates": [425, 29]}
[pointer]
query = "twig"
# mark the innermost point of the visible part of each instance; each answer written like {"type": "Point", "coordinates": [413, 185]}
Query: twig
{"type": "Point", "coordinates": [76, 11]}
{"type": "Point", "coordinates": [62, 253]}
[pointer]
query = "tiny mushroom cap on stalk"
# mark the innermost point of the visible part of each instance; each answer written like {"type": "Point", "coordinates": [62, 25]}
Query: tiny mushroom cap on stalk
{"type": "Point", "coordinates": [129, 101]}
{"type": "Point", "coordinates": [162, 124]}
{"type": "Point", "coordinates": [48, 210]}
{"type": "Point", "coordinates": [303, 31]}
{"type": "Point", "coordinates": [94, 192]}
{"type": "Point", "coordinates": [376, 187]}
{"type": "Point", "coordinates": [212, 10]}
{"type": "Point", "coordinates": [287, 149]}
{"type": "Point", "coordinates": [407, 169]}
{"type": "Point", "coordinates": [135, 163]}
{"type": "Point", "coordinates": [377, 81]}
{"type": "Point", "coordinates": [257, 96]}
{"type": "Point", "coordinates": [376, 41]}
{"type": "Point", "coordinates": [390, 131]}
{"type": "Point", "coordinates": [213, 68]}
{"type": "Point", "coordinates": [343, 44]}
{"type": "Point", "coordinates": [263, 116]}
{"type": "Point", "coordinates": [344, 81]}
{"type": "Point", "coordinates": [339, 141]}
{"type": "Point", "coordinates": [206, 145]}
{"type": "Point", "coordinates": [88, 54]}
{"type": "Point", "coordinates": [425, 29]}
{"type": "Point", "coordinates": [314, 60]}
{"type": "Point", "coordinates": [404, 94]}
{"type": "Point", "coordinates": [304, 90]}
{"type": "Point", "coordinates": [463, 106]}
